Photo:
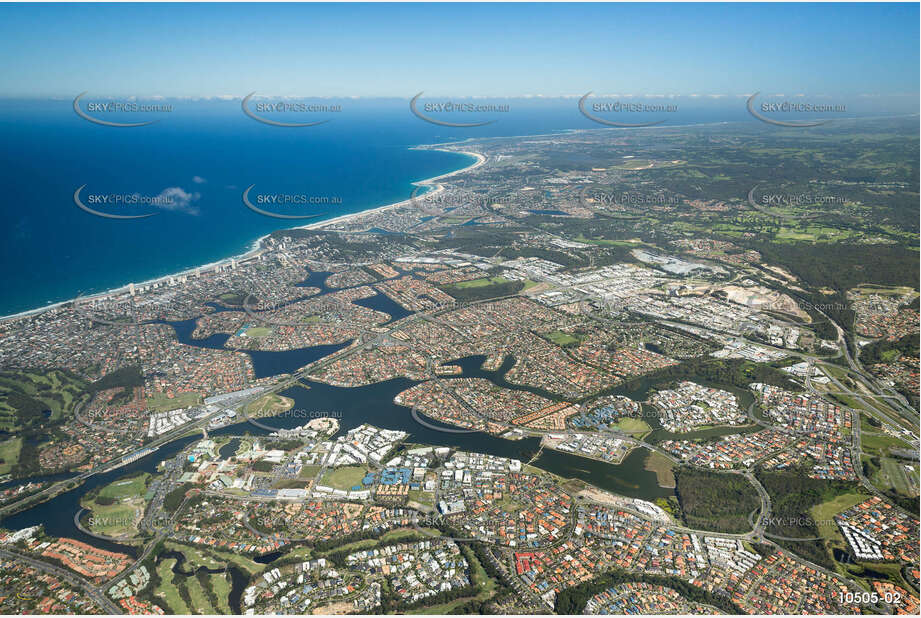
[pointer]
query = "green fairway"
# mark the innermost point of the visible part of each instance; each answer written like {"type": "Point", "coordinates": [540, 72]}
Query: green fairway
{"type": "Point", "coordinates": [200, 602]}
{"type": "Point", "coordinates": [891, 572]}
{"type": "Point", "coordinates": [194, 555]}
{"type": "Point", "coordinates": [221, 587]}
{"type": "Point", "coordinates": [167, 589]}
{"type": "Point", "coordinates": [193, 591]}
{"type": "Point", "coordinates": [28, 399]}
{"type": "Point", "coordinates": [9, 454]}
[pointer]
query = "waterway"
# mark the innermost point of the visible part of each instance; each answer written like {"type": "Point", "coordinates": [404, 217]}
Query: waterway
{"type": "Point", "coordinates": [265, 363]}
{"type": "Point", "coordinates": [352, 407]}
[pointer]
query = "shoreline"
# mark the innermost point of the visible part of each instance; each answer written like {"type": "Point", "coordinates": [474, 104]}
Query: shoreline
{"type": "Point", "coordinates": [480, 160]}
{"type": "Point", "coordinates": [256, 245]}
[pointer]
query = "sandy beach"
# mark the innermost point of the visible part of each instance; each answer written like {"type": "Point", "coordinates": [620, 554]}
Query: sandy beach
{"type": "Point", "coordinates": [480, 160]}
{"type": "Point", "coordinates": [256, 247]}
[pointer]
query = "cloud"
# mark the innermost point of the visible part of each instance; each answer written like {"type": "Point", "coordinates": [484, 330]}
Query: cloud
{"type": "Point", "coordinates": [198, 180]}
{"type": "Point", "coordinates": [178, 199]}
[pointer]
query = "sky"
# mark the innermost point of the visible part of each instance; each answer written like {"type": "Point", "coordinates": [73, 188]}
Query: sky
{"type": "Point", "coordinates": [380, 50]}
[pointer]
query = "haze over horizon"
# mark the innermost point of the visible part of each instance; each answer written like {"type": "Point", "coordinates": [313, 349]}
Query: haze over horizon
{"type": "Point", "coordinates": [210, 50]}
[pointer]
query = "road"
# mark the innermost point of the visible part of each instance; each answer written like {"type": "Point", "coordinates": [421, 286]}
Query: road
{"type": "Point", "coordinates": [162, 534]}
{"type": "Point", "coordinates": [869, 381]}
{"type": "Point", "coordinates": [376, 337]}
{"type": "Point", "coordinates": [94, 592]}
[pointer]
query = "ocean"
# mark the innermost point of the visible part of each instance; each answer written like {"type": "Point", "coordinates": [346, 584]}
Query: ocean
{"type": "Point", "coordinates": [53, 251]}
{"type": "Point", "coordinates": [204, 154]}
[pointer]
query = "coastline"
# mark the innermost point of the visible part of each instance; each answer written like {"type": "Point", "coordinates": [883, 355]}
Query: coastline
{"type": "Point", "coordinates": [256, 246]}
{"type": "Point", "coordinates": [480, 160]}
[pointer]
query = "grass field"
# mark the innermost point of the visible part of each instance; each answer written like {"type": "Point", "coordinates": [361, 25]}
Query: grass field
{"type": "Point", "coordinates": [424, 498]}
{"type": "Point", "coordinates": [481, 283]}
{"type": "Point", "coordinates": [9, 454]}
{"type": "Point", "coordinates": [404, 533]}
{"type": "Point", "coordinates": [880, 444]}
{"type": "Point", "coordinates": [634, 164]}
{"type": "Point", "coordinates": [308, 472]}
{"type": "Point", "coordinates": [456, 220]}
{"type": "Point", "coordinates": [159, 402]}
{"type": "Point", "coordinates": [562, 339]}
{"type": "Point", "coordinates": [269, 405]}
{"type": "Point", "coordinates": [704, 433]}
{"type": "Point", "coordinates": [115, 520]}
{"type": "Point", "coordinates": [663, 467]}
{"type": "Point", "coordinates": [635, 426]}
{"type": "Point", "coordinates": [257, 332]}
{"type": "Point", "coordinates": [291, 484]}
{"type": "Point", "coordinates": [134, 487]}
{"type": "Point", "coordinates": [609, 243]}
{"type": "Point", "coordinates": [232, 298]}
{"type": "Point", "coordinates": [882, 290]}
{"type": "Point", "coordinates": [118, 519]}
{"type": "Point", "coordinates": [823, 514]}
{"type": "Point", "coordinates": [344, 478]}
{"type": "Point", "coordinates": [894, 474]}
{"type": "Point", "coordinates": [865, 424]}
{"type": "Point", "coordinates": [509, 505]}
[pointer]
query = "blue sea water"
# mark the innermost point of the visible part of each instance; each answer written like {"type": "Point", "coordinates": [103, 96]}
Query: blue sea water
{"type": "Point", "coordinates": [51, 251]}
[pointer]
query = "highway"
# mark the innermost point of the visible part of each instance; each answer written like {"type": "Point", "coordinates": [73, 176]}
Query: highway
{"type": "Point", "coordinates": [370, 337]}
